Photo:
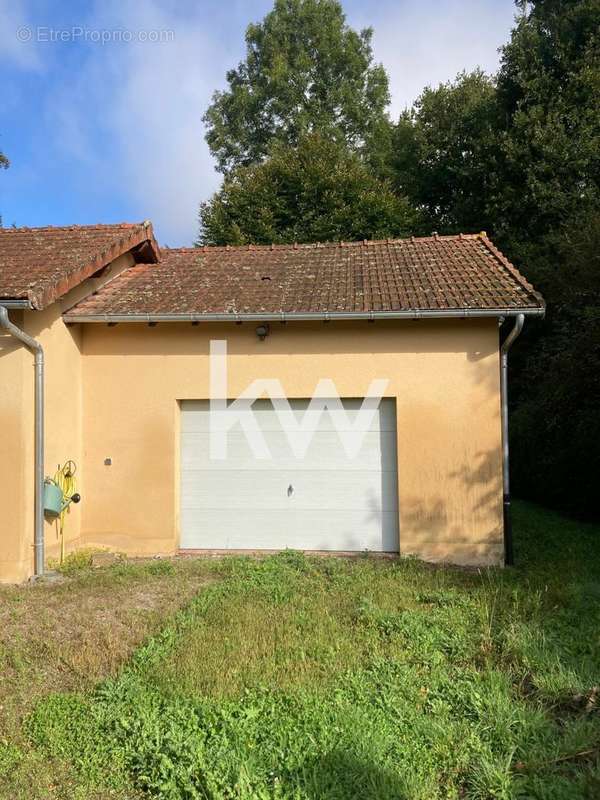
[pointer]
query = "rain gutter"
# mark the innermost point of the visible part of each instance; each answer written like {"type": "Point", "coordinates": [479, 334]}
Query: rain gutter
{"type": "Point", "coordinates": [326, 316]}
{"type": "Point", "coordinates": [36, 348]}
{"type": "Point", "coordinates": [15, 303]}
{"type": "Point", "coordinates": [506, 345]}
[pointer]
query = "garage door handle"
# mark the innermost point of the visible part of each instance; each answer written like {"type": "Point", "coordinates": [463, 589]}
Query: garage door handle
{"type": "Point", "coordinates": [290, 490]}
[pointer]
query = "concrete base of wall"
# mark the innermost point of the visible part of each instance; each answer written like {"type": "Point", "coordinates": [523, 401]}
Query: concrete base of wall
{"type": "Point", "coordinates": [208, 553]}
{"type": "Point", "coordinates": [490, 556]}
{"type": "Point", "coordinates": [130, 546]}
{"type": "Point", "coordinates": [471, 554]}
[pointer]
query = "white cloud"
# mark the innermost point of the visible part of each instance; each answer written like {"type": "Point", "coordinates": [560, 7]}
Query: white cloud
{"type": "Point", "coordinates": [147, 98]}
{"type": "Point", "coordinates": [423, 43]}
{"type": "Point", "coordinates": [157, 116]}
{"type": "Point", "coordinates": [16, 36]}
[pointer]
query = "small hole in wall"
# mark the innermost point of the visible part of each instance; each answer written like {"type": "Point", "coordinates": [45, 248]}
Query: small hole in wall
{"type": "Point", "coordinates": [107, 462]}
{"type": "Point", "coordinates": [266, 278]}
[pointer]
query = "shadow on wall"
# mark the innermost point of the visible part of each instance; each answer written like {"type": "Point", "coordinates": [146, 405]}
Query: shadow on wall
{"type": "Point", "coordinates": [318, 338]}
{"type": "Point", "coordinates": [480, 482]}
{"type": "Point", "coordinates": [481, 374]}
{"type": "Point", "coordinates": [483, 476]}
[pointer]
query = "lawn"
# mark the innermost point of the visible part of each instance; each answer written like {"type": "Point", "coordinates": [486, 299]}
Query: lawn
{"type": "Point", "coordinates": [305, 678]}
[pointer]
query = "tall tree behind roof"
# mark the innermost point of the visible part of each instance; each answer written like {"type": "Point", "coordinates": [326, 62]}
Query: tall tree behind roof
{"type": "Point", "coordinates": [444, 153]}
{"type": "Point", "coordinates": [318, 191]}
{"type": "Point", "coordinates": [305, 71]}
{"type": "Point", "coordinates": [548, 94]}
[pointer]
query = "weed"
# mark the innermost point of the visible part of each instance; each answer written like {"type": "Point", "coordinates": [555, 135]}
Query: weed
{"type": "Point", "coordinates": [74, 562]}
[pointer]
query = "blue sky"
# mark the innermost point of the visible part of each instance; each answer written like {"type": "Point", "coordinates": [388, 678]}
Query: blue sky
{"type": "Point", "coordinates": [109, 132]}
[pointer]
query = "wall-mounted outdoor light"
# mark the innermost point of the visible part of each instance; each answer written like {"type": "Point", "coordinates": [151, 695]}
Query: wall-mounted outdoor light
{"type": "Point", "coordinates": [262, 332]}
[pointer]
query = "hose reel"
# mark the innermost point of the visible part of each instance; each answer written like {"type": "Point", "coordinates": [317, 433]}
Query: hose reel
{"type": "Point", "coordinates": [59, 493]}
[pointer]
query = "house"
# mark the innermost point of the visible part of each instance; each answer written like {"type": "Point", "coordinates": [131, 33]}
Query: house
{"type": "Point", "coordinates": [111, 349]}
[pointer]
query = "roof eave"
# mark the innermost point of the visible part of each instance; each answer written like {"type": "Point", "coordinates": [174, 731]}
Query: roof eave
{"type": "Point", "coordinates": [306, 316]}
{"type": "Point", "coordinates": [510, 267]}
{"type": "Point", "coordinates": [40, 298]}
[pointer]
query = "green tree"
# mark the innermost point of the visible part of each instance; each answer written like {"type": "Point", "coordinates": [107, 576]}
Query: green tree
{"type": "Point", "coordinates": [305, 71]}
{"type": "Point", "coordinates": [517, 155]}
{"type": "Point", "coordinates": [317, 191]}
{"type": "Point", "coordinates": [444, 154]}
{"type": "Point", "coordinates": [555, 424]}
{"type": "Point", "coordinates": [548, 91]}
{"type": "Point", "coordinates": [547, 217]}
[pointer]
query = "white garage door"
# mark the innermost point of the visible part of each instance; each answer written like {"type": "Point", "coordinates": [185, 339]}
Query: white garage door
{"type": "Point", "coordinates": [322, 501]}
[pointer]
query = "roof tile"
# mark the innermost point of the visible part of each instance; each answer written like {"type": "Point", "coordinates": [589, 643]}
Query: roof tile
{"type": "Point", "coordinates": [440, 272]}
{"type": "Point", "coordinates": [42, 264]}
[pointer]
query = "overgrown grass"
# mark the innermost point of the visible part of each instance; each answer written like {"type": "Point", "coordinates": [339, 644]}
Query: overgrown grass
{"type": "Point", "coordinates": [294, 677]}
{"type": "Point", "coordinates": [68, 636]}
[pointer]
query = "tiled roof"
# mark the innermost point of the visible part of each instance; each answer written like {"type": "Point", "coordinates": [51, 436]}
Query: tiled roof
{"type": "Point", "coordinates": [42, 264]}
{"type": "Point", "coordinates": [437, 273]}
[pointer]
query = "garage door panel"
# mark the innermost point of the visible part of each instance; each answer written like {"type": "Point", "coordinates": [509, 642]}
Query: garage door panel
{"type": "Point", "coordinates": [196, 418]}
{"type": "Point", "coordinates": [240, 489]}
{"type": "Point", "coordinates": [336, 502]}
{"type": "Point", "coordinates": [325, 451]}
{"type": "Point", "coordinates": [316, 530]}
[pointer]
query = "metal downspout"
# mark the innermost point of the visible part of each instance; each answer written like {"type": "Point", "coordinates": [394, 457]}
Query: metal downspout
{"type": "Point", "coordinates": [38, 352]}
{"type": "Point", "coordinates": [506, 345]}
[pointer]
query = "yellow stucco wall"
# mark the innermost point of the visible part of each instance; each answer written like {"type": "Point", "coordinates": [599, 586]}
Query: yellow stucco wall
{"type": "Point", "coordinates": [115, 391]}
{"type": "Point", "coordinates": [443, 374]}
{"type": "Point", "coordinates": [63, 432]}
{"type": "Point", "coordinates": [16, 367]}
{"type": "Point", "coordinates": [63, 421]}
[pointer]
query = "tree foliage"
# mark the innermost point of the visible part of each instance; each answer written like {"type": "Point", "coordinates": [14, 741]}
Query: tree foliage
{"type": "Point", "coordinates": [548, 94]}
{"type": "Point", "coordinates": [555, 424]}
{"type": "Point", "coordinates": [305, 71]}
{"type": "Point", "coordinates": [518, 154]}
{"type": "Point", "coordinates": [444, 153]}
{"type": "Point", "coordinates": [317, 191]}
{"type": "Point", "coordinates": [547, 217]}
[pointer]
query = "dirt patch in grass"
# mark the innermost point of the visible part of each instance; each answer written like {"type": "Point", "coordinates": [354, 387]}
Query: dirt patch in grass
{"type": "Point", "coordinates": [69, 635]}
